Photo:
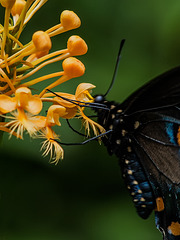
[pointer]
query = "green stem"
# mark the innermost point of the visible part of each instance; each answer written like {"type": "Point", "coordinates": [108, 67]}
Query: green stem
{"type": "Point", "coordinates": [1, 132]}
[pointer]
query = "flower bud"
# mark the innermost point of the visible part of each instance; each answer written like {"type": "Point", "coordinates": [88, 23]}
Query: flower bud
{"type": "Point", "coordinates": [7, 3]}
{"type": "Point", "coordinates": [69, 20]}
{"type": "Point", "coordinates": [73, 67]}
{"type": "Point", "coordinates": [76, 46]}
{"type": "Point", "coordinates": [41, 41]}
{"type": "Point", "coordinates": [18, 7]}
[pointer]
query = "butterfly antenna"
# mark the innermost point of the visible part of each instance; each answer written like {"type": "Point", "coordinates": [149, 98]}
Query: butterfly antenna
{"type": "Point", "coordinates": [86, 141]}
{"type": "Point", "coordinates": [74, 130]}
{"type": "Point", "coordinates": [80, 103]}
{"type": "Point", "coordinates": [116, 67]}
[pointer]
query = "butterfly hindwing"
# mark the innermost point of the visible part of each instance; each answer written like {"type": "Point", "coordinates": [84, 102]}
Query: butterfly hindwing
{"type": "Point", "coordinates": [159, 153]}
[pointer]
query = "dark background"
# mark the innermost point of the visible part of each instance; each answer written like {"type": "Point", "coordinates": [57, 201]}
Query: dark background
{"type": "Point", "coordinates": [83, 197]}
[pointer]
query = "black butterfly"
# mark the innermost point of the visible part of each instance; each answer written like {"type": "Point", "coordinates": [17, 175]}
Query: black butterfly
{"type": "Point", "coordinates": [146, 138]}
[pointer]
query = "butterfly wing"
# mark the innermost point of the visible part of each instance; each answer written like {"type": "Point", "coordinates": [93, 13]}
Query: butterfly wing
{"type": "Point", "coordinates": [160, 160]}
{"type": "Point", "coordinates": [162, 91]}
{"type": "Point", "coordinates": [156, 108]}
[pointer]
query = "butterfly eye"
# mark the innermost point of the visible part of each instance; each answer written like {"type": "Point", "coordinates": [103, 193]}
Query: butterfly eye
{"type": "Point", "coordinates": [99, 99]}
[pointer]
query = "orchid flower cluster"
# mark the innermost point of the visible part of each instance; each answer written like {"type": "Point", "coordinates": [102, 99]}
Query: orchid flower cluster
{"type": "Point", "coordinates": [20, 109]}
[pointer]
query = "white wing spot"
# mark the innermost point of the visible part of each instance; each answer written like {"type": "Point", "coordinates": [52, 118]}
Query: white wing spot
{"type": "Point", "coordinates": [119, 111]}
{"type": "Point", "coordinates": [135, 182]}
{"type": "Point", "coordinates": [112, 107]}
{"type": "Point", "coordinates": [118, 141]}
{"type": "Point", "coordinates": [136, 125]}
{"type": "Point", "coordinates": [111, 127]}
{"type": "Point", "coordinates": [130, 172]}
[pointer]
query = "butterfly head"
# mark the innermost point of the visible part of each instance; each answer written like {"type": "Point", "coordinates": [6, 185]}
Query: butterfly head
{"type": "Point", "coordinates": [99, 99]}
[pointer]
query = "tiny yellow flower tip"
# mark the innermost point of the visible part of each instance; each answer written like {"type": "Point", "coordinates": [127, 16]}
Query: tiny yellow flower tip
{"type": "Point", "coordinates": [7, 3]}
{"type": "Point", "coordinates": [76, 46]}
{"type": "Point", "coordinates": [73, 67]}
{"type": "Point", "coordinates": [69, 20]}
{"type": "Point", "coordinates": [18, 7]}
{"type": "Point", "coordinates": [41, 41]}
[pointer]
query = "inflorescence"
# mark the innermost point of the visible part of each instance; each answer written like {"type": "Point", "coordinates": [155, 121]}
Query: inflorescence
{"type": "Point", "coordinates": [20, 109]}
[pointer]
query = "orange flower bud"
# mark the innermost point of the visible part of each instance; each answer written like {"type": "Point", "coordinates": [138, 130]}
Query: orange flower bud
{"type": "Point", "coordinates": [69, 20]}
{"type": "Point", "coordinates": [76, 46]}
{"type": "Point", "coordinates": [41, 41]}
{"type": "Point", "coordinates": [73, 67]}
{"type": "Point", "coordinates": [18, 7]}
{"type": "Point", "coordinates": [7, 3]}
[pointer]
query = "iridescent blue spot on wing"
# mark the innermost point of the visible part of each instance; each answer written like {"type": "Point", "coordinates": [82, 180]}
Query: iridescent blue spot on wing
{"type": "Point", "coordinates": [170, 132]}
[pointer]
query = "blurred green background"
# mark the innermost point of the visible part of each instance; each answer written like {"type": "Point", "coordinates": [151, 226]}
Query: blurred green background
{"type": "Point", "coordinates": [83, 197]}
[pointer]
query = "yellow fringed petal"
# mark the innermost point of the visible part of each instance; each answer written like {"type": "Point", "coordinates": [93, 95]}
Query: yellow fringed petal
{"type": "Point", "coordinates": [97, 128]}
{"type": "Point", "coordinates": [50, 146]}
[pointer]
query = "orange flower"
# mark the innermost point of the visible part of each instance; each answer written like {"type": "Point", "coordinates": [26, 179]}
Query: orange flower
{"type": "Point", "coordinates": [18, 64]}
{"type": "Point", "coordinates": [50, 145]}
{"type": "Point", "coordinates": [74, 105]}
{"type": "Point", "coordinates": [22, 108]}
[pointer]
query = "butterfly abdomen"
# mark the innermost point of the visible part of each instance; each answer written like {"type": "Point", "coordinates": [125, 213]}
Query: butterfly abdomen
{"type": "Point", "coordinates": [138, 185]}
{"type": "Point", "coordinates": [119, 142]}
